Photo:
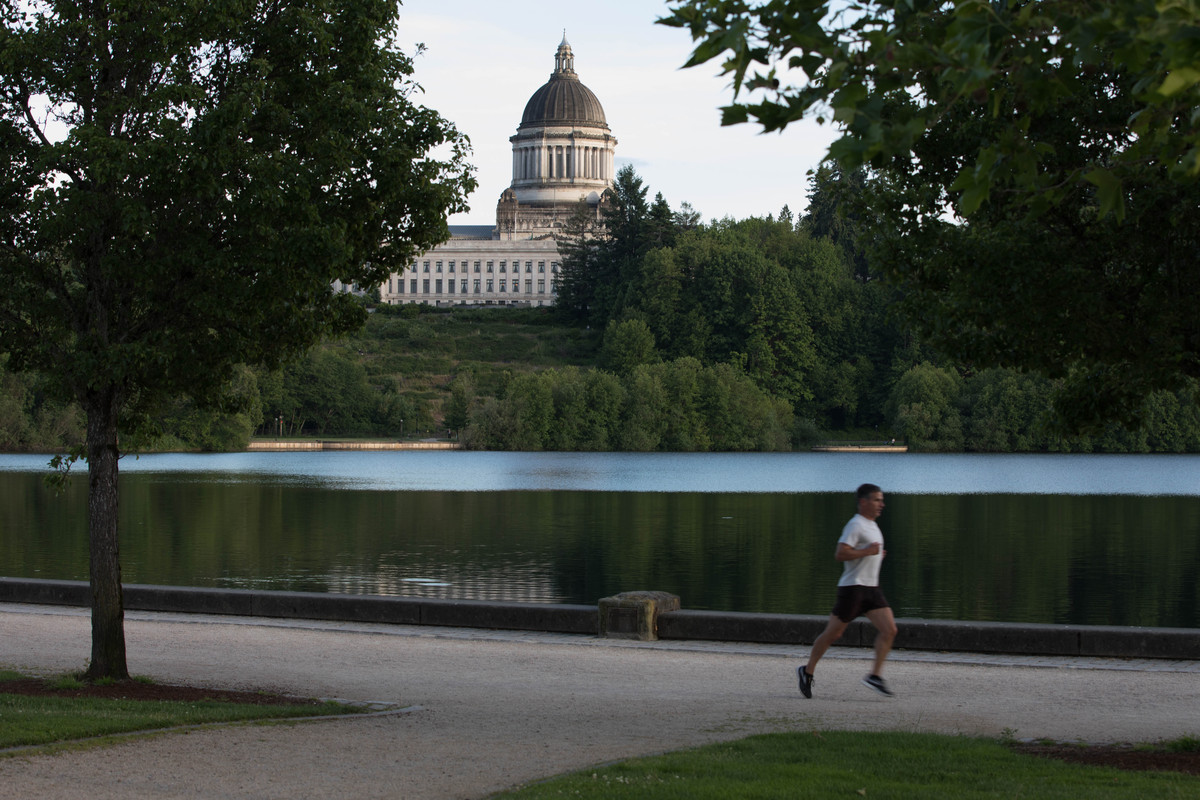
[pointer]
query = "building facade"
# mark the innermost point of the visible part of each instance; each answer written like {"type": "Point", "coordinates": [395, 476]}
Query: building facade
{"type": "Point", "coordinates": [563, 159]}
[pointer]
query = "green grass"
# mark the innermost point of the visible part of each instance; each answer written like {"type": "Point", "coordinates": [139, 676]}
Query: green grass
{"type": "Point", "coordinates": [852, 765]}
{"type": "Point", "coordinates": [33, 721]}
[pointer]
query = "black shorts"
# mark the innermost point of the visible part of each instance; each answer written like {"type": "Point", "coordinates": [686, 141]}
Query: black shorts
{"type": "Point", "coordinates": [854, 601]}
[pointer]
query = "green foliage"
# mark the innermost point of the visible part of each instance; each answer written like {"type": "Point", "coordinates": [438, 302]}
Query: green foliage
{"type": "Point", "coordinates": [674, 406]}
{"type": "Point", "coordinates": [458, 407]}
{"type": "Point", "coordinates": [31, 420]}
{"type": "Point", "coordinates": [887, 72]}
{"type": "Point", "coordinates": [180, 187]}
{"type": "Point", "coordinates": [999, 410]}
{"type": "Point", "coordinates": [197, 202]}
{"type": "Point", "coordinates": [1184, 744]}
{"type": "Point", "coordinates": [1003, 411]}
{"type": "Point", "coordinates": [579, 246]}
{"type": "Point", "coordinates": [1031, 171]}
{"type": "Point", "coordinates": [924, 408]}
{"type": "Point", "coordinates": [328, 392]}
{"type": "Point", "coordinates": [626, 345]}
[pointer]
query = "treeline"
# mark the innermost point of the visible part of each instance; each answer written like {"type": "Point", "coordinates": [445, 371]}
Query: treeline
{"type": "Point", "coordinates": [668, 334]}
{"type": "Point", "coordinates": [779, 300]}
{"type": "Point", "coordinates": [324, 393]}
{"type": "Point", "coordinates": [31, 420]}
{"type": "Point", "coordinates": [795, 306]}
{"type": "Point", "coordinates": [939, 408]}
{"type": "Point", "coordinates": [678, 405]}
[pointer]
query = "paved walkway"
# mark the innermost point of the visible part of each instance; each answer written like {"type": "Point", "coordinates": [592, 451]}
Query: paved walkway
{"type": "Point", "coordinates": [486, 710]}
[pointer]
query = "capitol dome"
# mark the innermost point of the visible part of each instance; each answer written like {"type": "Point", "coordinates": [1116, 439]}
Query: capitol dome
{"type": "Point", "coordinates": [562, 155]}
{"type": "Point", "coordinates": [563, 100]}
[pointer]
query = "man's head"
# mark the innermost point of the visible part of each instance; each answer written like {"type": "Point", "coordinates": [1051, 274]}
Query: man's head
{"type": "Point", "coordinates": [870, 500]}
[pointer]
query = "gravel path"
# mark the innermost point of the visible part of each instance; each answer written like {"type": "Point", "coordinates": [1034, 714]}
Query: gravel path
{"type": "Point", "coordinates": [493, 709]}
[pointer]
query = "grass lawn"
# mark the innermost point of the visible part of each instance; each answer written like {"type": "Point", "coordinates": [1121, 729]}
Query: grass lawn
{"type": "Point", "coordinates": [71, 715]}
{"type": "Point", "coordinates": [852, 765]}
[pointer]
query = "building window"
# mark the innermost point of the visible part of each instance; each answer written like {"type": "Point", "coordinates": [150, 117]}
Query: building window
{"type": "Point", "coordinates": [489, 268]}
{"type": "Point", "coordinates": [464, 286]}
{"type": "Point", "coordinates": [541, 287]}
{"type": "Point", "coordinates": [426, 266]}
{"type": "Point", "coordinates": [438, 286]}
{"type": "Point", "coordinates": [412, 286]}
{"type": "Point", "coordinates": [425, 286]}
{"type": "Point", "coordinates": [529, 266]}
{"type": "Point", "coordinates": [477, 285]}
{"type": "Point", "coordinates": [541, 266]}
{"type": "Point", "coordinates": [439, 266]}
{"type": "Point", "coordinates": [426, 269]}
{"type": "Point", "coordinates": [554, 267]}
{"type": "Point", "coordinates": [503, 266]}
{"type": "Point", "coordinates": [528, 287]}
{"type": "Point", "coordinates": [490, 289]}
{"type": "Point", "coordinates": [450, 286]}
{"type": "Point", "coordinates": [477, 266]}
{"type": "Point", "coordinates": [452, 266]}
{"type": "Point", "coordinates": [503, 285]}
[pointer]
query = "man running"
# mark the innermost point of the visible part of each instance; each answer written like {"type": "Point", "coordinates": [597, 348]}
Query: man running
{"type": "Point", "coordinates": [860, 549]}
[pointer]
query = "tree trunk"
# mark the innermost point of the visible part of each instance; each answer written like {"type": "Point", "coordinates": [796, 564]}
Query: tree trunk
{"type": "Point", "coordinates": [108, 607]}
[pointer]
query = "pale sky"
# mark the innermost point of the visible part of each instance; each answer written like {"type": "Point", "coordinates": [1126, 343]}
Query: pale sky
{"type": "Point", "coordinates": [485, 58]}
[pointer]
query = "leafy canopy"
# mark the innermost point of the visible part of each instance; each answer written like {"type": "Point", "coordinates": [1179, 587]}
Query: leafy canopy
{"type": "Point", "coordinates": [887, 71]}
{"type": "Point", "coordinates": [181, 183]}
{"type": "Point", "coordinates": [1032, 170]}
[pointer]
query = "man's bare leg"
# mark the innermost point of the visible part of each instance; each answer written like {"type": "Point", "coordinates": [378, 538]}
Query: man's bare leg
{"type": "Point", "coordinates": [885, 626]}
{"type": "Point", "coordinates": [833, 631]}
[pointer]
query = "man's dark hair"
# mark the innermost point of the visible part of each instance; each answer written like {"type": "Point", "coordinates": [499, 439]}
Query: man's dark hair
{"type": "Point", "coordinates": [866, 490]}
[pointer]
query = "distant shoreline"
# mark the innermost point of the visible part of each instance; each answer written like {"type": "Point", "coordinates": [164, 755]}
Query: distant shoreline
{"type": "Point", "coordinates": [308, 445]}
{"type": "Point", "coordinates": [268, 446]}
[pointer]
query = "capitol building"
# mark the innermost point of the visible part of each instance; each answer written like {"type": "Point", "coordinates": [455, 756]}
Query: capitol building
{"type": "Point", "coordinates": [562, 158]}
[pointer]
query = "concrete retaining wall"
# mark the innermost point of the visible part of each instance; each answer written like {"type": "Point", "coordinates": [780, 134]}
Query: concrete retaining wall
{"type": "Point", "coordinates": [915, 634]}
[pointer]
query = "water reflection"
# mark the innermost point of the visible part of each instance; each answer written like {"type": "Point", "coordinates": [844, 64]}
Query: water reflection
{"type": "Point", "coordinates": [1125, 559]}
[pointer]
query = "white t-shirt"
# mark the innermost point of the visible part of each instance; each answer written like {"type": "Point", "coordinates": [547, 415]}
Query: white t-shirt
{"type": "Point", "coordinates": [858, 533]}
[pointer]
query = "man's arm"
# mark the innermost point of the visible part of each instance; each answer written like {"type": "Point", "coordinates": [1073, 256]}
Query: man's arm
{"type": "Point", "coordinates": [847, 553]}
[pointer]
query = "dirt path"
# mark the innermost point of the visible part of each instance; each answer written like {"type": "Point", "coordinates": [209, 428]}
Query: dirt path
{"type": "Point", "coordinates": [497, 710]}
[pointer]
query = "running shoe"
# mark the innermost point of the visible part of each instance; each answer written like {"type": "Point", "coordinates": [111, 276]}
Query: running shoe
{"type": "Point", "coordinates": [875, 682]}
{"type": "Point", "coordinates": [806, 682]}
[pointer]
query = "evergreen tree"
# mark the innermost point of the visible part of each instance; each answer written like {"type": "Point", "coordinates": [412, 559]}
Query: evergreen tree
{"type": "Point", "coordinates": [580, 247]}
{"type": "Point", "coordinates": [832, 214]}
{"type": "Point", "coordinates": [628, 239]}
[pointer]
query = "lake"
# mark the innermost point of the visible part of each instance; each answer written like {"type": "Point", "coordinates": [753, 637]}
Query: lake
{"type": "Point", "coordinates": [1022, 538]}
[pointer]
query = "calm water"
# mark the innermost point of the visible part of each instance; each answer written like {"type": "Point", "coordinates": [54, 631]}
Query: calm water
{"type": "Point", "coordinates": [1081, 539]}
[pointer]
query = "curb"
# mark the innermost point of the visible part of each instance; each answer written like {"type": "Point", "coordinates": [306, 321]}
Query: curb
{"type": "Point", "coordinates": [722, 626]}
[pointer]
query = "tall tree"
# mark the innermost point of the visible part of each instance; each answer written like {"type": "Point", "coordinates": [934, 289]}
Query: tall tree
{"type": "Point", "coordinates": [576, 280]}
{"type": "Point", "coordinates": [180, 184]}
{"type": "Point", "coordinates": [629, 236]}
{"type": "Point", "coordinates": [992, 128]}
{"type": "Point", "coordinates": [832, 213]}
